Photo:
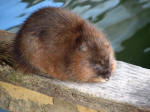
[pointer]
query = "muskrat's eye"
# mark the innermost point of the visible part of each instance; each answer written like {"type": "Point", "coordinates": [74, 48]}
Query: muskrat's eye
{"type": "Point", "coordinates": [97, 67]}
{"type": "Point", "coordinates": [83, 47]}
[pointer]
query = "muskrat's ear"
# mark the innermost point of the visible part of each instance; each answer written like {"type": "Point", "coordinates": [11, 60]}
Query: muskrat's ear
{"type": "Point", "coordinates": [83, 47]}
{"type": "Point", "coordinates": [81, 44]}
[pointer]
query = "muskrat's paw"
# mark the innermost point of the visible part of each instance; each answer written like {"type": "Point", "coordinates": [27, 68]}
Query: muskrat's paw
{"type": "Point", "coordinates": [99, 79]}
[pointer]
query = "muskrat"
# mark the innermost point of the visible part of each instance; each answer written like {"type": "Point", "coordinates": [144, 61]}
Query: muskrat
{"type": "Point", "coordinates": [61, 45]}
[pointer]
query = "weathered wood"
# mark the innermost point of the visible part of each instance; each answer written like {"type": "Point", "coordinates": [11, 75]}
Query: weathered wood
{"type": "Point", "coordinates": [128, 90]}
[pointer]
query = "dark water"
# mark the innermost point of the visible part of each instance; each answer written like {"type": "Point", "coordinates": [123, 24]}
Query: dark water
{"type": "Point", "coordinates": [125, 22]}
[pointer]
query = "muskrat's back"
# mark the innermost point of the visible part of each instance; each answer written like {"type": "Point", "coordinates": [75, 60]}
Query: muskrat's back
{"type": "Point", "coordinates": [59, 44]}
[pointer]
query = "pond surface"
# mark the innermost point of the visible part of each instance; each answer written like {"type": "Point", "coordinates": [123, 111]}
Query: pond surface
{"type": "Point", "coordinates": [125, 22]}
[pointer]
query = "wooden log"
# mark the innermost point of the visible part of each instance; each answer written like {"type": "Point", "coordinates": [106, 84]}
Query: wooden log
{"type": "Point", "coordinates": [128, 90]}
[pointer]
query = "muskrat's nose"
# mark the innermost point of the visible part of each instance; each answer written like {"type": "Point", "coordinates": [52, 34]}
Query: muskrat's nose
{"type": "Point", "coordinates": [107, 78]}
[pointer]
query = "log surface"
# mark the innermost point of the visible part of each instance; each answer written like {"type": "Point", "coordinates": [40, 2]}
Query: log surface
{"type": "Point", "coordinates": [128, 90]}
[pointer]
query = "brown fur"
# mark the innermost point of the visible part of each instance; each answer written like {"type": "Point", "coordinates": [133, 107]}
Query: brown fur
{"type": "Point", "coordinates": [61, 45]}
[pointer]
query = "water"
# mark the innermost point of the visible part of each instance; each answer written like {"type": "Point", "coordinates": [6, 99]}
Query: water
{"type": "Point", "coordinates": [125, 22]}
{"type": "Point", "coordinates": [1, 110]}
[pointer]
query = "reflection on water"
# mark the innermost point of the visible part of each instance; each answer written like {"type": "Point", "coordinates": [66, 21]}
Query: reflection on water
{"type": "Point", "coordinates": [14, 12]}
{"type": "Point", "coordinates": [125, 22]}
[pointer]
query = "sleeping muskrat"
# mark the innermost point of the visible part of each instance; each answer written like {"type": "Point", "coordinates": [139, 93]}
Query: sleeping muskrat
{"type": "Point", "coordinates": [61, 45]}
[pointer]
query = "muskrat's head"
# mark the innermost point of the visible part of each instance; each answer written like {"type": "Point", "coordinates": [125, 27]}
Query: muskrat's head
{"type": "Point", "coordinates": [91, 58]}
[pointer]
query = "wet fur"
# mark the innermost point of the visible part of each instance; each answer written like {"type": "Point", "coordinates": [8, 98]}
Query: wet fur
{"type": "Point", "coordinates": [59, 44]}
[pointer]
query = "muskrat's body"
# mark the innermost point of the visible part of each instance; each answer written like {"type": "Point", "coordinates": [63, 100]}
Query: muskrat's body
{"type": "Point", "coordinates": [61, 45]}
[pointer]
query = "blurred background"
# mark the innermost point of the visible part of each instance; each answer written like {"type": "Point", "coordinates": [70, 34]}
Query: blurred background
{"type": "Point", "coordinates": [125, 22]}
